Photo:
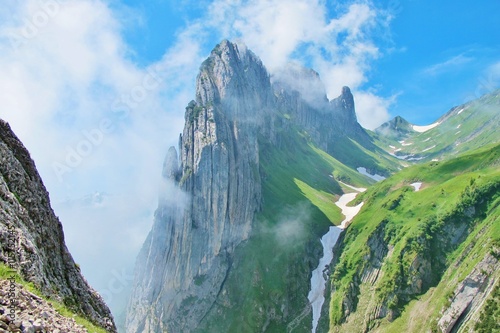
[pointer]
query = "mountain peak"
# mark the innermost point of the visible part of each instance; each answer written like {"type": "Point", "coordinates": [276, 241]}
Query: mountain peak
{"type": "Point", "coordinates": [397, 128]}
{"type": "Point", "coordinates": [347, 98]}
{"type": "Point", "coordinates": [230, 70]}
{"type": "Point", "coordinates": [344, 107]}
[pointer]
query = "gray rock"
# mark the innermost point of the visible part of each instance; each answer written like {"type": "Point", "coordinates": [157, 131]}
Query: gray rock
{"type": "Point", "coordinates": [31, 236]}
{"type": "Point", "coordinates": [469, 294]}
{"type": "Point", "coordinates": [218, 157]}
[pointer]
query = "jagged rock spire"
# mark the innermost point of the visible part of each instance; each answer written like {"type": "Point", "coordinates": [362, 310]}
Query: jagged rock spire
{"type": "Point", "coordinates": [171, 165]}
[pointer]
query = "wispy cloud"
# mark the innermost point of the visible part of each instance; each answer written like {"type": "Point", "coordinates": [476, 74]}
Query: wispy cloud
{"type": "Point", "coordinates": [453, 63]}
{"type": "Point", "coordinates": [93, 120]}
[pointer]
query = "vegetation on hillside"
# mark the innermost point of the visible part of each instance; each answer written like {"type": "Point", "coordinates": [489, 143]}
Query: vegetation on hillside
{"type": "Point", "coordinates": [300, 185]}
{"type": "Point", "coordinates": [465, 128]}
{"type": "Point", "coordinates": [413, 237]}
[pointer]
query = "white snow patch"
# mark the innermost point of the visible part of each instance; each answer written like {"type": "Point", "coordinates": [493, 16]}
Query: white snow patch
{"type": "Point", "coordinates": [459, 112]}
{"type": "Point", "coordinates": [435, 160]}
{"type": "Point", "coordinates": [401, 157]}
{"type": "Point", "coordinates": [458, 132]}
{"type": "Point", "coordinates": [422, 129]}
{"type": "Point", "coordinates": [415, 159]}
{"type": "Point", "coordinates": [399, 149]}
{"type": "Point", "coordinates": [459, 126]}
{"type": "Point", "coordinates": [359, 189]}
{"type": "Point", "coordinates": [427, 149]}
{"type": "Point", "coordinates": [375, 177]}
{"type": "Point", "coordinates": [417, 186]}
{"type": "Point", "coordinates": [392, 147]}
{"type": "Point", "coordinates": [348, 212]}
{"type": "Point", "coordinates": [318, 282]}
{"type": "Point", "coordinates": [407, 144]}
{"type": "Point", "coordinates": [426, 139]}
{"type": "Point", "coordinates": [316, 295]}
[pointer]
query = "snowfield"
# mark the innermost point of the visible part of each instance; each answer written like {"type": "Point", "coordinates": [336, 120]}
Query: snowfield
{"type": "Point", "coordinates": [427, 149]}
{"type": "Point", "coordinates": [422, 129]}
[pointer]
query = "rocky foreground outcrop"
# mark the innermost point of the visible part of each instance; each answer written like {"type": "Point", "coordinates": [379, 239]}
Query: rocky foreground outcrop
{"type": "Point", "coordinates": [32, 238]}
{"type": "Point", "coordinates": [32, 313]}
{"type": "Point", "coordinates": [470, 294]}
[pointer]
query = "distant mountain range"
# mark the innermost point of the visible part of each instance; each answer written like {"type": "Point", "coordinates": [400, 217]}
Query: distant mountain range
{"type": "Point", "coordinates": [463, 128]}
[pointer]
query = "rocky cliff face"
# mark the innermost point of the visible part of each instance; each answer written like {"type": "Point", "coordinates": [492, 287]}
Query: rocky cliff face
{"type": "Point", "coordinates": [190, 254]}
{"type": "Point", "coordinates": [32, 239]}
{"type": "Point", "coordinates": [301, 93]}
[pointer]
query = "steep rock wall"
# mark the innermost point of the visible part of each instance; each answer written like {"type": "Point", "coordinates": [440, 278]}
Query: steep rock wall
{"type": "Point", "coordinates": [188, 254]}
{"type": "Point", "coordinates": [32, 239]}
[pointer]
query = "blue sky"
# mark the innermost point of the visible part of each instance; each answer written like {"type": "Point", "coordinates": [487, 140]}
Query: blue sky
{"type": "Point", "coordinates": [434, 55]}
{"type": "Point", "coordinates": [96, 89]}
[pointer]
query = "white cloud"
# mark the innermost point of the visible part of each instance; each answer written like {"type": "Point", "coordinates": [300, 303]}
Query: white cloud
{"type": "Point", "coordinates": [450, 64]}
{"type": "Point", "coordinates": [493, 76]}
{"type": "Point", "coordinates": [376, 109]}
{"type": "Point", "coordinates": [340, 49]}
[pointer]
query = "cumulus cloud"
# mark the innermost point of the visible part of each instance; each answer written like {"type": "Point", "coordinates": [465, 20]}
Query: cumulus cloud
{"type": "Point", "coordinates": [378, 107]}
{"type": "Point", "coordinates": [341, 49]}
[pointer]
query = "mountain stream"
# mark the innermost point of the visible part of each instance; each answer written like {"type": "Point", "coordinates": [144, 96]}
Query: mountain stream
{"type": "Point", "coordinates": [319, 277]}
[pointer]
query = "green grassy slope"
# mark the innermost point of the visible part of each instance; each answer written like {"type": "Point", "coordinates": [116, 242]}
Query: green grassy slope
{"type": "Point", "coordinates": [6, 272]}
{"type": "Point", "coordinates": [414, 237]}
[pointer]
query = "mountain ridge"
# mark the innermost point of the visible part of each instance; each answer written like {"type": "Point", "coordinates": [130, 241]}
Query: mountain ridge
{"type": "Point", "coordinates": [464, 127]}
